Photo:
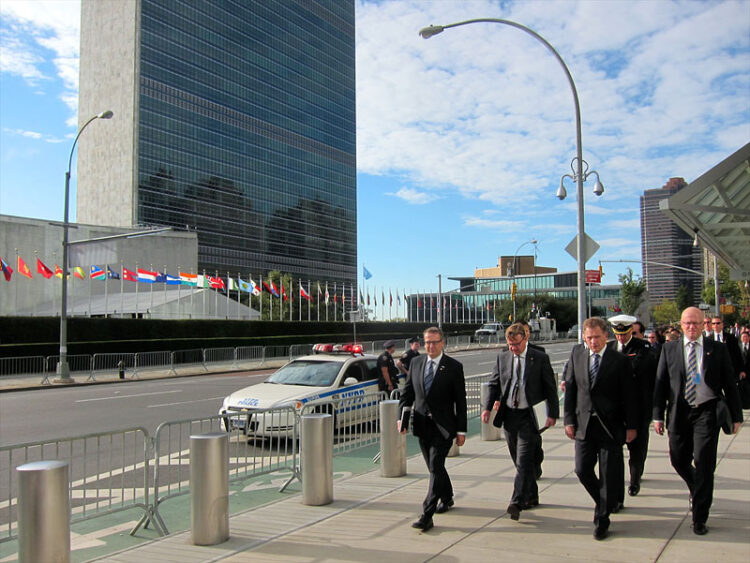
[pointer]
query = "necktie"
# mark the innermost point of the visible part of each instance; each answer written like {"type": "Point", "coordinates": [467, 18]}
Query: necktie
{"type": "Point", "coordinates": [692, 375]}
{"type": "Point", "coordinates": [516, 387]}
{"type": "Point", "coordinates": [429, 376]}
{"type": "Point", "coordinates": [594, 370]}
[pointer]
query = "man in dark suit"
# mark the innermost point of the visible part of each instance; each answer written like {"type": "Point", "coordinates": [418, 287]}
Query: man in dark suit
{"type": "Point", "coordinates": [733, 347]}
{"type": "Point", "coordinates": [692, 374]}
{"type": "Point", "coordinates": [435, 391]}
{"type": "Point", "coordinates": [521, 378]}
{"type": "Point", "coordinates": [600, 414]}
{"type": "Point", "coordinates": [643, 362]}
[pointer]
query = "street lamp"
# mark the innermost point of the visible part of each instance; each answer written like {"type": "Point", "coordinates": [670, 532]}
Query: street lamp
{"type": "Point", "coordinates": [513, 269]}
{"type": "Point", "coordinates": [579, 175]}
{"type": "Point", "coordinates": [63, 369]}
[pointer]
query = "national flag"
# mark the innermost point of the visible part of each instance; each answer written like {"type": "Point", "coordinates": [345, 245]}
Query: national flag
{"type": "Point", "coordinates": [243, 285]}
{"type": "Point", "coordinates": [189, 279]}
{"type": "Point", "coordinates": [97, 273]}
{"type": "Point", "coordinates": [79, 273]}
{"type": "Point", "coordinates": [368, 298]}
{"type": "Point", "coordinates": [203, 280]}
{"type": "Point", "coordinates": [271, 289]}
{"type": "Point", "coordinates": [111, 274]}
{"type": "Point", "coordinates": [336, 297]}
{"type": "Point", "coordinates": [327, 295]}
{"type": "Point", "coordinates": [233, 285]}
{"type": "Point", "coordinates": [319, 292]}
{"type": "Point", "coordinates": [58, 271]}
{"type": "Point", "coordinates": [390, 296]}
{"type": "Point", "coordinates": [128, 275]}
{"type": "Point", "coordinates": [44, 270]}
{"type": "Point", "coordinates": [303, 293]}
{"type": "Point", "coordinates": [365, 273]}
{"type": "Point", "coordinates": [23, 269]}
{"type": "Point", "coordinates": [382, 297]}
{"type": "Point", "coordinates": [375, 298]}
{"type": "Point", "coordinates": [172, 280]}
{"type": "Point", "coordinates": [419, 303]}
{"type": "Point", "coordinates": [283, 292]}
{"type": "Point", "coordinates": [361, 298]}
{"type": "Point", "coordinates": [254, 288]}
{"type": "Point", "coordinates": [146, 276]}
{"type": "Point", "coordinates": [161, 277]}
{"type": "Point", "coordinates": [398, 298]}
{"type": "Point", "coordinates": [7, 270]}
{"type": "Point", "coordinates": [215, 282]}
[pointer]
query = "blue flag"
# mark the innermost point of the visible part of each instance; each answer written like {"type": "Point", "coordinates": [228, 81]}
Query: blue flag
{"type": "Point", "coordinates": [366, 273]}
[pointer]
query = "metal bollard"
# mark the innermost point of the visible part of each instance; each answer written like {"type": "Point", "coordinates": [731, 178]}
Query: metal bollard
{"type": "Point", "coordinates": [490, 432]}
{"type": "Point", "coordinates": [392, 442]}
{"type": "Point", "coordinates": [43, 512]}
{"type": "Point", "coordinates": [316, 459]}
{"type": "Point", "coordinates": [209, 488]}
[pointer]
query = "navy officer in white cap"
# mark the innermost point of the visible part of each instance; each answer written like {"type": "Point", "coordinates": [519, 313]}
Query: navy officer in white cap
{"type": "Point", "coordinates": [643, 361]}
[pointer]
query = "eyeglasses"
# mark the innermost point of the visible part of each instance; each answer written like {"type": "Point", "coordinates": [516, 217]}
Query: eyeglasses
{"type": "Point", "coordinates": [689, 323]}
{"type": "Point", "coordinates": [429, 342]}
{"type": "Point", "coordinates": [717, 322]}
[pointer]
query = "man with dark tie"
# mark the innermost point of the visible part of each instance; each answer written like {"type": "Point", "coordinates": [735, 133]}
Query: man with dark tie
{"type": "Point", "coordinates": [643, 362]}
{"type": "Point", "coordinates": [601, 414]}
{"type": "Point", "coordinates": [721, 335]}
{"type": "Point", "coordinates": [693, 372]}
{"type": "Point", "coordinates": [435, 392]}
{"type": "Point", "coordinates": [521, 378]}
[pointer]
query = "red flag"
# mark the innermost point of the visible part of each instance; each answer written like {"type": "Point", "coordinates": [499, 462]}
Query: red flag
{"type": "Point", "coordinates": [303, 293]}
{"type": "Point", "coordinates": [44, 270]}
{"type": "Point", "coordinates": [58, 271]}
{"type": "Point", "coordinates": [128, 275]}
{"type": "Point", "coordinates": [216, 283]}
{"type": "Point", "coordinates": [7, 270]}
{"type": "Point", "coordinates": [283, 292]}
{"type": "Point", "coordinates": [23, 269]}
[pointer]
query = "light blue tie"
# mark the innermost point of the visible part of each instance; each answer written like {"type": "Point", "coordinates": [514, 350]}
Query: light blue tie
{"type": "Point", "coordinates": [429, 376]}
{"type": "Point", "coordinates": [692, 375]}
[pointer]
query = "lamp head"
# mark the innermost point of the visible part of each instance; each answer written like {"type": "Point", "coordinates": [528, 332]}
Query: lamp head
{"type": "Point", "coordinates": [695, 240]}
{"type": "Point", "coordinates": [430, 31]}
{"type": "Point", "coordinates": [105, 115]}
{"type": "Point", "coordinates": [562, 193]}
{"type": "Point", "coordinates": [598, 187]}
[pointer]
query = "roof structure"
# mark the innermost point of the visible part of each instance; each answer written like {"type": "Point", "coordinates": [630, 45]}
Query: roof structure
{"type": "Point", "coordinates": [716, 209]}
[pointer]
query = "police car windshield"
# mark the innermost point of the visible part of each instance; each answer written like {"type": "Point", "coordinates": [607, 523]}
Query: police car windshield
{"type": "Point", "coordinates": [307, 372]}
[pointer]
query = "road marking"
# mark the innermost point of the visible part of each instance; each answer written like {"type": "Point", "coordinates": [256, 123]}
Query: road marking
{"type": "Point", "coordinates": [185, 402]}
{"type": "Point", "coordinates": [128, 396]}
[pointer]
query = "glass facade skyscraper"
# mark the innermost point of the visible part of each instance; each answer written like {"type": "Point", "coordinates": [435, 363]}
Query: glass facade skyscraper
{"type": "Point", "coordinates": [243, 129]}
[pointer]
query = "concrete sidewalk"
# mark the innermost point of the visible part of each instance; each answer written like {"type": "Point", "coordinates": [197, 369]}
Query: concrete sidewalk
{"type": "Point", "coordinates": [369, 520]}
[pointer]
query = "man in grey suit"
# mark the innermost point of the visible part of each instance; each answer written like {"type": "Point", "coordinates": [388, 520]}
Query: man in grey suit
{"type": "Point", "coordinates": [693, 373]}
{"type": "Point", "coordinates": [521, 378]}
{"type": "Point", "coordinates": [601, 414]}
{"type": "Point", "coordinates": [435, 393]}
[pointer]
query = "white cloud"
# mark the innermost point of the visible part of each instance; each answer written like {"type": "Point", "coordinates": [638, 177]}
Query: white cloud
{"type": "Point", "coordinates": [33, 135]}
{"type": "Point", "coordinates": [503, 225]}
{"type": "Point", "coordinates": [413, 196]}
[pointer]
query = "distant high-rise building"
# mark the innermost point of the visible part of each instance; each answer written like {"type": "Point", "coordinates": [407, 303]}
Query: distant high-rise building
{"type": "Point", "coordinates": [233, 119]}
{"type": "Point", "coordinates": [664, 242]}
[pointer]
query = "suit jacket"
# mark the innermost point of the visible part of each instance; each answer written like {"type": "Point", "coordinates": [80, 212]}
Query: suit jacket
{"type": "Point", "coordinates": [446, 402]}
{"type": "Point", "coordinates": [540, 384]}
{"type": "Point", "coordinates": [643, 361]}
{"type": "Point", "coordinates": [745, 360]}
{"type": "Point", "coordinates": [669, 392]}
{"type": "Point", "coordinates": [612, 396]}
{"type": "Point", "coordinates": [733, 347]}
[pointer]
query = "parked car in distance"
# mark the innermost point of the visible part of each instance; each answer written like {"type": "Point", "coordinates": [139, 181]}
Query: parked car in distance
{"type": "Point", "coordinates": [490, 329]}
{"type": "Point", "coordinates": [573, 331]}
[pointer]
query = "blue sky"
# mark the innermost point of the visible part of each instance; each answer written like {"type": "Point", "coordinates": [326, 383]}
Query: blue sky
{"type": "Point", "coordinates": [462, 139]}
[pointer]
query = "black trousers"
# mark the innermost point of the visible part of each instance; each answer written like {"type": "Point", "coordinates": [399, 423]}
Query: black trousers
{"type": "Point", "coordinates": [637, 449]}
{"type": "Point", "coordinates": [692, 451]}
{"type": "Point", "coordinates": [599, 447]}
{"type": "Point", "coordinates": [524, 442]}
{"type": "Point", "coordinates": [435, 449]}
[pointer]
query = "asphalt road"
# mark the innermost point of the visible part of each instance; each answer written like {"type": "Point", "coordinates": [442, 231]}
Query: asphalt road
{"type": "Point", "coordinates": [62, 412]}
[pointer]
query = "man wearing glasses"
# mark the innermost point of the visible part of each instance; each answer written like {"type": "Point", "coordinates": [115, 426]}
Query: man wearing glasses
{"type": "Point", "coordinates": [733, 347]}
{"type": "Point", "coordinates": [435, 393]}
{"type": "Point", "coordinates": [693, 372]}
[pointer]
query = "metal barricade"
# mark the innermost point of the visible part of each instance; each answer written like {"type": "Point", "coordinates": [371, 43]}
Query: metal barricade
{"type": "Point", "coordinates": [109, 363]}
{"type": "Point", "coordinates": [297, 350]}
{"type": "Point", "coordinates": [218, 356]}
{"type": "Point", "coordinates": [249, 356]}
{"type": "Point", "coordinates": [275, 352]}
{"type": "Point", "coordinates": [152, 361]}
{"type": "Point", "coordinates": [187, 359]}
{"type": "Point", "coordinates": [79, 364]}
{"type": "Point", "coordinates": [474, 394]}
{"type": "Point", "coordinates": [108, 472]}
{"type": "Point", "coordinates": [29, 365]}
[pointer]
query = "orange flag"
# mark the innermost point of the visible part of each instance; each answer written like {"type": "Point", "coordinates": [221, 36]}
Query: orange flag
{"type": "Point", "coordinates": [23, 269]}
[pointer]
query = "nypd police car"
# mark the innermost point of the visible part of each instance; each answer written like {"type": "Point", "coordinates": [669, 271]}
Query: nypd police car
{"type": "Point", "coordinates": [339, 378]}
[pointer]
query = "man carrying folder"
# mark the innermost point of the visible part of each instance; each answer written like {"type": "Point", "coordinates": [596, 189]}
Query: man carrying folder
{"type": "Point", "coordinates": [521, 378]}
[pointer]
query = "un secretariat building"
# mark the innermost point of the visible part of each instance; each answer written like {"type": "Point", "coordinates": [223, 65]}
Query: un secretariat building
{"type": "Point", "coordinates": [234, 119]}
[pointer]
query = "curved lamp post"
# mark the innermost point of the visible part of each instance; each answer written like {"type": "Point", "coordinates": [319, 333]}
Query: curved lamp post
{"type": "Point", "coordinates": [63, 369]}
{"type": "Point", "coordinates": [513, 269]}
{"type": "Point", "coordinates": [579, 174]}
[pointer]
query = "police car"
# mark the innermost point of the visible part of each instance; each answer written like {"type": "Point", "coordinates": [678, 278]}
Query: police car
{"type": "Point", "coordinates": [342, 376]}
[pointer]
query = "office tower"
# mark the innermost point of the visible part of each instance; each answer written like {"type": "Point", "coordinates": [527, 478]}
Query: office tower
{"type": "Point", "coordinates": [232, 118]}
{"type": "Point", "coordinates": [664, 242]}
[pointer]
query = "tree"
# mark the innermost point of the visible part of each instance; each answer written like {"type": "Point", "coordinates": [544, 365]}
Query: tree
{"type": "Point", "coordinates": [631, 292]}
{"type": "Point", "coordinates": [666, 313]}
{"type": "Point", "coordinates": [682, 298]}
{"type": "Point", "coordinates": [730, 292]}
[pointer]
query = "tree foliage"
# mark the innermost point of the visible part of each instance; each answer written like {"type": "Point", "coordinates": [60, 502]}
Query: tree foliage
{"type": "Point", "coordinates": [632, 292]}
{"type": "Point", "coordinates": [667, 312]}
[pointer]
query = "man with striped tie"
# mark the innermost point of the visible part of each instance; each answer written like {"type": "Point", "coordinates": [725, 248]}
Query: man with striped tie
{"type": "Point", "coordinates": [693, 372]}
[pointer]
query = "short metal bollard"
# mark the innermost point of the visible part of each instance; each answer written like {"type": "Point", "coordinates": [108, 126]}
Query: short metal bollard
{"type": "Point", "coordinates": [392, 442]}
{"type": "Point", "coordinates": [489, 432]}
{"type": "Point", "coordinates": [316, 459]}
{"type": "Point", "coordinates": [43, 512]}
{"type": "Point", "coordinates": [209, 488]}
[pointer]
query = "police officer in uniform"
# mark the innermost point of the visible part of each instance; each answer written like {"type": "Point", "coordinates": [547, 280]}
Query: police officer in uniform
{"type": "Point", "coordinates": [387, 372]}
{"type": "Point", "coordinates": [406, 358]}
{"type": "Point", "coordinates": [643, 361]}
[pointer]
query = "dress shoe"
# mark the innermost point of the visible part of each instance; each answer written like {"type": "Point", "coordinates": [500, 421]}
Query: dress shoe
{"type": "Point", "coordinates": [444, 506]}
{"type": "Point", "coordinates": [600, 532]}
{"type": "Point", "coordinates": [700, 529]}
{"type": "Point", "coordinates": [424, 523]}
{"type": "Point", "coordinates": [617, 507]}
{"type": "Point", "coordinates": [515, 511]}
{"type": "Point", "coordinates": [530, 504]}
{"type": "Point", "coordinates": [633, 490]}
